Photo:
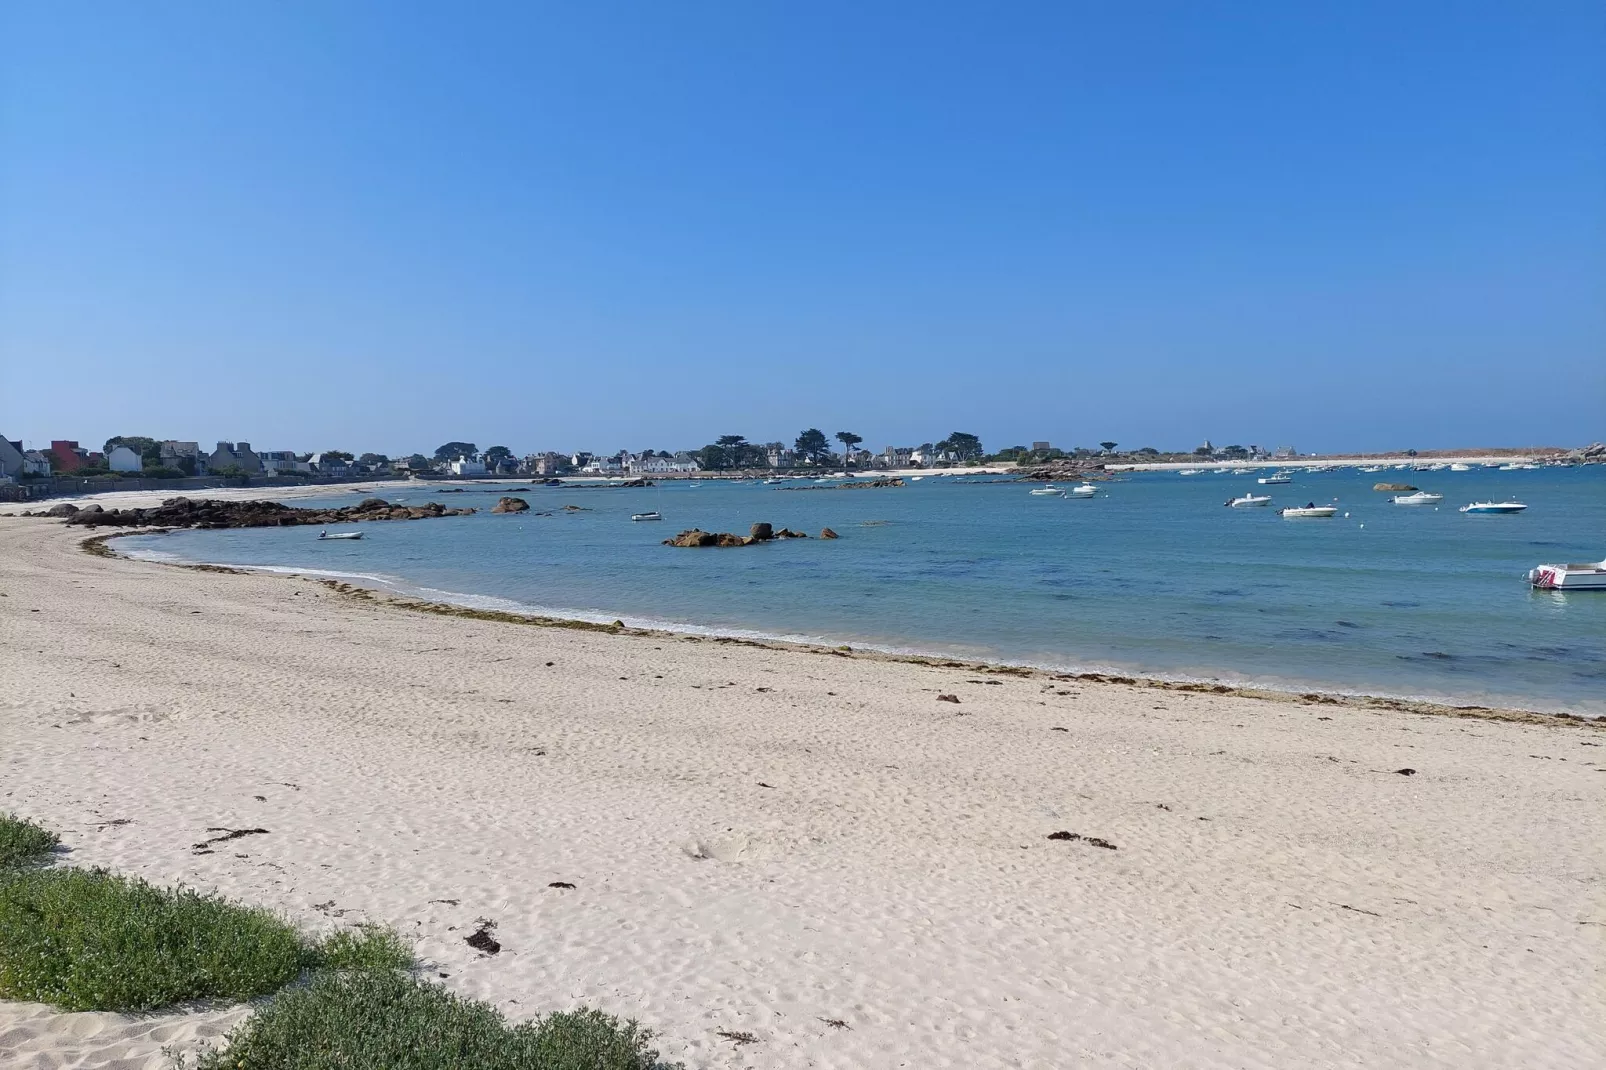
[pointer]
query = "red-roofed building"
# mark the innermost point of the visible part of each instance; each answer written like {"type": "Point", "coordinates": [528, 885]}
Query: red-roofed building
{"type": "Point", "coordinates": [69, 455]}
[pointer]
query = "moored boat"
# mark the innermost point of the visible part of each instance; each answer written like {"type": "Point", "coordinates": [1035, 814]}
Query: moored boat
{"type": "Point", "coordinates": [1493, 507]}
{"type": "Point", "coordinates": [1421, 497]}
{"type": "Point", "coordinates": [1050, 491]}
{"type": "Point", "coordinates": [339, 536]}
{"type": "Point", "coordinates": [1586, 577]}
{"type": "Point", "coordinates": [1309, 512]}
{"type": "Point", "coordinates": [1086, 490]}
{"type": "Point", "coordinates": [652, 515]}
{"type": "Point", "coordinates": [1250, 500]}
{"type": "Point", "coordinates": [1276, 477]}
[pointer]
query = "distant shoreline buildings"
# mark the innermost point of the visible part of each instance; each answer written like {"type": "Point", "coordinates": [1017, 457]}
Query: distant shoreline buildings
{"type": "Point", "coordinates": [26, 470]}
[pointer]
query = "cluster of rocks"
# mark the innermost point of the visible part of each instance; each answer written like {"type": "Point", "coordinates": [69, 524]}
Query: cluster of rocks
{"type": "Point", "coordinates": [1399, 488]}
{"type": "Point", "coordinates": [510, 505]}
{"type": "Point", "coordinates": [185, 513]}
{"type": "Point", "coordinates": [757, 534]}
{"type": "Point", "coordinates": [855, 484]}
{"type": "Point", "coordinates": [1064, 470]}
{"type": "Point", "coordinates": [1594, 453]}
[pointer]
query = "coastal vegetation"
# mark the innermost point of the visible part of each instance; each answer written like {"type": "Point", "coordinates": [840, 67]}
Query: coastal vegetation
{"type": "Point", "coordinates": [386, 1019]}
{"type": "Point", "coordinates": [91, 940]}
{"type": "Point", "coordinates": [22, 841]}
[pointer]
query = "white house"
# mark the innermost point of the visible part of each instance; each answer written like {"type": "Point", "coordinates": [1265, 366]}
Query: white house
{"type": "Point", "coordinates": [660, 465]}
{"type": "Point", "coordinates": [463, 466]}
{"type": "Point", "coordinates": [282, 461]}
{"type": "Point", "coordinates": [898, 456]}
{"type": "Point", "coordinates": [123, 459]}
{"type": "Point", "coordinates": [608, 466]}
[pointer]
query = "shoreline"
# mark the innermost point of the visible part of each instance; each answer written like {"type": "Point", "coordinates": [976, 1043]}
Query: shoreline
{"type": "Point", "coordinates": [987, 869]}
{"type": "Point", "coordinates": [598, 621]}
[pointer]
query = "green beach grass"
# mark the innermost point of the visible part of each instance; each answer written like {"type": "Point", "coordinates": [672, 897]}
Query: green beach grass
{"type": "Point", "coordinates": [376, 1019]}
{"type": "Point", "coordinates": [91, 940]}
{"type": "Point", "coordinates": [22, 841]}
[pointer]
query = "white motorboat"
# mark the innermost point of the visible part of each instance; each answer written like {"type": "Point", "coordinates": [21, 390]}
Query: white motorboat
{"type": "Point", "coordinates": [339, 536]}
{"type": "Point", "coordinates": [1589, 577]}
{"type": "Point", "coordinates": [1421, 497]}
{"type": "Point", "coordinates": [1309, 512]}
{"type": "Point", "coordinates": [1459, 467]}
{"type": "Point", "coordinates": [1189, 472]}
{"type": "Point", "coordinates": [916, 479]}
{"type": "Point", "coordinates": [1372, 468]}
{"type": "Point", "coordinates": [1050, 491]}
{"type": "Point", "coordinates": [771, 482]}
{"type": "Point", "coordinates": [653, 515]}
{"type": "Point", "coordinates": [1493, 507]}
{"type": "Point", "coordinates": [1086, 490]}
{"type": "Point", "coordinates": [1276, 477]}
{"type": "Point", "coordinates": [1250, 500]}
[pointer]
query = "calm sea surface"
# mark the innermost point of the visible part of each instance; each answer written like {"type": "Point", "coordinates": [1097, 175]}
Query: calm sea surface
{"type": "Point", "coordinates": [1152, 577]}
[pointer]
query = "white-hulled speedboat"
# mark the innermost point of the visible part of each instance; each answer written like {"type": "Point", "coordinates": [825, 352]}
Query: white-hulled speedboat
{"type": "Point", "coordinates": [1493, 507]}
{"type": "Point", "coordinates": [653, 515]}
{"type": "Point", "coordinates": [1590, 577]}
{"type": "Point", "coordinates": [1250, 500]}
{"type": "Point", "coordinates": [1276, 477]}
{"type": "Point", "coordinates": [1309, 512]}
{"type": "Point", "coordinates": [1050, 491]}
{"type": "Point", "coordinates": [1460, 467]}
{"type": "Point", "coordinates": [1086, 490]}
{"type": "Point", "coordinates": [1421, 497]}
{"type": "Point", "coordinates": [324, 536]}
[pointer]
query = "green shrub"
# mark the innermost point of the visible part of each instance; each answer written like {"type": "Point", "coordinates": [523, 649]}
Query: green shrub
{"type": "Point", "coordinates": [368, 948]}
{"type": "Point", "coordinates": [91, 940]}
{"type": "Point", "coordinates": [23, 841]}
{"type": "Point", "coordinates": [388, 1020]}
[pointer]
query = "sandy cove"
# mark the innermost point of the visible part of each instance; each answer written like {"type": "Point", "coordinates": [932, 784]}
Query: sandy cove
{"type": "Point", "coordinates": [769, 841]}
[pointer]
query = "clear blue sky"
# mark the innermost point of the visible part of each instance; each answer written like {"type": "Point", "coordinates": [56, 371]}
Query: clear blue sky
{"type": "Point", "coordinates": [598, 225]}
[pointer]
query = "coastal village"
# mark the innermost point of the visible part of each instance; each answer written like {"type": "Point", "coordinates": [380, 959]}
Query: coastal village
{"type": "Point", "coordinates": [65, 466]}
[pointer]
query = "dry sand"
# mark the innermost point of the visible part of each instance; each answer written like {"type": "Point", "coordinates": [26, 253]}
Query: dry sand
{"type": "Point", "coordinates": [767, 841]}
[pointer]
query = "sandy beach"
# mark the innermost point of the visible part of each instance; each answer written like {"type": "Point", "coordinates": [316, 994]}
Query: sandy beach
{"type": "Point", "coordinates": [813, 849]}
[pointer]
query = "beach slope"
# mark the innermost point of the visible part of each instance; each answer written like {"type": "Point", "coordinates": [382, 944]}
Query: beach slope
{"type": "Point", "coordinates": [781, 858]}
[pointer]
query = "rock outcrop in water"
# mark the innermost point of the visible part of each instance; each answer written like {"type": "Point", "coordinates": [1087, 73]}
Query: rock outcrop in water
{"type": "Point", "coordinates": [185, 513]}
{"type": "Point", "coordinates": [1398, 488]}
{"type": "Point", "coordinates": [510, 505]}
{"type": "Point", "coordinates": [856, 484]}
{"type": "Point", "coordinates": [760, 532]}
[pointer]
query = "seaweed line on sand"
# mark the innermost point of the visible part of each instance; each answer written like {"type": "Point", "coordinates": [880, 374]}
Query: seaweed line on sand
{"type": "Point", "coordinates": [97, 545]}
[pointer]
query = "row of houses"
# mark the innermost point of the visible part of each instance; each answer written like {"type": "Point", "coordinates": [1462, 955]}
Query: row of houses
{"type": "Point", "coordinates": [67, 457]}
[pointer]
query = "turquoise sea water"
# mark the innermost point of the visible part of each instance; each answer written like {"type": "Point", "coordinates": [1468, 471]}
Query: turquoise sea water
{"type": "Point", "coordinates": [1152, 577]}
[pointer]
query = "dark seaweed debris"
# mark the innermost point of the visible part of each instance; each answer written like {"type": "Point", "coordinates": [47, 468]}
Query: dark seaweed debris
{"type": "Point", "coordinates": [228, 834]}
{"type": "Point", "coordinates": [1077, 836]}
{"type": "Point", "coordinates": [482, 940]}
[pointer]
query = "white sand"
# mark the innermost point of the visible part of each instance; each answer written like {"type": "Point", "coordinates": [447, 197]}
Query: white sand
{"type": "Point", "coordinates": [764, 839]}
